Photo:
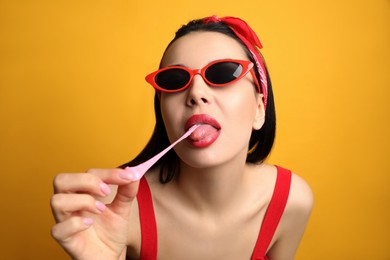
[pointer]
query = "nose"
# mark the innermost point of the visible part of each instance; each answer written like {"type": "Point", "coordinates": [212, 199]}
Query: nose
{"type": "Point", "coordinates": [198, 92]}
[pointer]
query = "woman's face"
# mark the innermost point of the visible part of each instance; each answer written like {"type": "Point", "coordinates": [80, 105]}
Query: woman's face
{"type": "Point", "coordinates": [227, 114]}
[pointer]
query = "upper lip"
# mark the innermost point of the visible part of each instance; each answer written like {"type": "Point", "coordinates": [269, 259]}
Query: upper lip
{"type": "Point", "coordinates": [202, 119]}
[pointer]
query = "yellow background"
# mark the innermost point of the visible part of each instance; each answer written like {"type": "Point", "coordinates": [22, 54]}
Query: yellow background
{"type": "Point", "coordinates": [73, 96]}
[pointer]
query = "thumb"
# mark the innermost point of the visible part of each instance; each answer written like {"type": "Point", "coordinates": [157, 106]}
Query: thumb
{"type": "Point", "coordinates": [124, 197]}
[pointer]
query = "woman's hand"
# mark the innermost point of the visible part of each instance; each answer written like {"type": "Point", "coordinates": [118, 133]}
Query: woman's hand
{"type": "Point", "coordinates": [87, 228]}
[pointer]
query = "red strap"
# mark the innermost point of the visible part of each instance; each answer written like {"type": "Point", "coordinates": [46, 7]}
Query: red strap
{"type": "Point", "coordinates": [148, 222]}
{"type": "Point", "coordinates": [273, 214]}
{"type": "Point", "coordinates": [270, 222]}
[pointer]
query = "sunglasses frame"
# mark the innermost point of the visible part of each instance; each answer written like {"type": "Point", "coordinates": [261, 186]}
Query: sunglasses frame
{"type": "Point", "coordinates": [247, 66]}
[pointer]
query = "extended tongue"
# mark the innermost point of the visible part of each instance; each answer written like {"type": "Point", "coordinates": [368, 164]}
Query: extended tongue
{"type": "Point", "coordinates": [202, 132]}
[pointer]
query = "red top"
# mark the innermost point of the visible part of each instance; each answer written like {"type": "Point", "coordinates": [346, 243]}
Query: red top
{"type": "Point", "coordinates": [271, 219]}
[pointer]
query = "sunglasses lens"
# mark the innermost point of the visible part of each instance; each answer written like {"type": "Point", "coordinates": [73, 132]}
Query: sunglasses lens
{"type": "Point", "coordinates": [223, 72]}
{"type": "Point", "coordinates": [172, 79]}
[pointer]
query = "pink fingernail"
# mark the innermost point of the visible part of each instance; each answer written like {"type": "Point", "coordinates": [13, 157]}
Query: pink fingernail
{"type": "Point", "coordinates": [88, 221]}
{"type": "Point", "coordinates": [127, 175]}
{"type": "Point", "coordinates": [105, 188]}
{"type": "Point", "coordinates": [100, 206]}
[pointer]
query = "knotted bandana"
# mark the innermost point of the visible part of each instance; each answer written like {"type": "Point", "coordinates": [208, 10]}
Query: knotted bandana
{"type": "Point", "coordinates": [245, 33]}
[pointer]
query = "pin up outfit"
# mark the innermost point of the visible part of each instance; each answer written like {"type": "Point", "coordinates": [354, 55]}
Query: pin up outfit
{"type": "Point", "coordinates": [149, 243]}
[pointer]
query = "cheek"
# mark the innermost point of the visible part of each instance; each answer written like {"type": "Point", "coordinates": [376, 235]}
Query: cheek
{"type": "Point", "coordinates": [241, 107]}
{"type": "Point", "coordinates": [169, 103]}
{"type": "Point", "coordinates": [166, 110]}
{"type": "Point", "coordinates": [171, 114]}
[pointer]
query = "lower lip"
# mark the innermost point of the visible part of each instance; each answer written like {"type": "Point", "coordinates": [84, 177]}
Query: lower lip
{"type": "Point", "coordinates": [208, 140]}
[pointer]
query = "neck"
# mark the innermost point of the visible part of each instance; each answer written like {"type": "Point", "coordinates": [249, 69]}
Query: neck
{"type": "Point", "coordinates": [215, 188]}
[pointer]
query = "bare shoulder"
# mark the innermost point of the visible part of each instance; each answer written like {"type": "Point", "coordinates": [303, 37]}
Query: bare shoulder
{"type": "Point", "coordinates": [299, 204]}
{"type": "Point", "coordinates": [294, 220]}
{"type": "Point", "coordinates": [301, 197]}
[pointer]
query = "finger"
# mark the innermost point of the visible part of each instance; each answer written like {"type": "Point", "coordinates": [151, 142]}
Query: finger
{"type": "Point", "coordinates": [122, 202]}
{"type": "Point", "coordinates": [113, 176]}
{"type": "Point", "coordinates": [63, 205]}
{"type": "Point", "coordinates": [68, 182]}
{"type": "Point", "coordinates": [63, 231]}
{"type": "Point", "coordinates": [80, 183]}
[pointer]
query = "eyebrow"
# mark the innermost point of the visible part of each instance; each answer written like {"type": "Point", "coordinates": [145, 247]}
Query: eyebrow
{"type": "Point", "coordinates": [182, 65]}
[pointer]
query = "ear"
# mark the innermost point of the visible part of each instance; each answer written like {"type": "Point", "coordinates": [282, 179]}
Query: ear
{"type": "Point", "coordinates": [259, 118]}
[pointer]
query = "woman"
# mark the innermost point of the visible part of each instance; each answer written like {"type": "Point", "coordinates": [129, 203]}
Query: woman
{"type": "Point", "coordinates": [213, 197]}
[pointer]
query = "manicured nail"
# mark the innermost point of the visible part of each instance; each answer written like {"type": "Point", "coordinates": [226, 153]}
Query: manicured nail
{"type": "Point", "coordinates": [100, 206]}
{"type": "Point", "coordinates": [127, 175]}
{"type": "Point", "coordinates": [105, 188]}
{"type": "Point", "coordinates": [88, 221]}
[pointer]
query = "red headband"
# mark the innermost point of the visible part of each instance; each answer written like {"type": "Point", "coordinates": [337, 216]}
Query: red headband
{"type": "Point", "coordinates": [251, 41]}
